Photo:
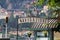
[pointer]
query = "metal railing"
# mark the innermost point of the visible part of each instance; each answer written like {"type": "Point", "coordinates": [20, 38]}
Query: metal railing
{"type": "Point", "coordinates": [39, 22]}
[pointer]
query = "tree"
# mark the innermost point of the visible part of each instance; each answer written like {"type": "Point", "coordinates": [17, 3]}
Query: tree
{"type": "Point", "coordinates": [39, 2]}
{"type": "Point", "coordinates": [53, 4]}
{"type": "Point", "coordinates": [55, 7]}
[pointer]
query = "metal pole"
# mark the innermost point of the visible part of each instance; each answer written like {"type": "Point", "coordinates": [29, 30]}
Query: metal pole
{"type": "Point", "coordinates": [17, 27]}
{"type": "Point", "coordinates": [17, 31]}
{"type": "Point", "coordinates": [6, 31]}
{"type": "Point", "coordinates": [52, 32]}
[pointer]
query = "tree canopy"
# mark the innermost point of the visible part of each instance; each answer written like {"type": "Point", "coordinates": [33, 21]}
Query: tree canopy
{"type": "Point", "coordinates": [50, 3]}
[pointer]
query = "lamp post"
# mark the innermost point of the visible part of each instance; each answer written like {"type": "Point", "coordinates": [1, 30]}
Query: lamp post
{"type": "Point", "coordinates": [6, 27]}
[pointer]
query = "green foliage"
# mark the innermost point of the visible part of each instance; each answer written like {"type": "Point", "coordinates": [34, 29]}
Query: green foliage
{"type": "Point", "coordinates": [39, 2]}
{"type": "Point", "coordinates": [57, 2]}
{"type": "Point", "coordinates": [53, 4]}
{"type": "Point", "coordinates": [54, 15]}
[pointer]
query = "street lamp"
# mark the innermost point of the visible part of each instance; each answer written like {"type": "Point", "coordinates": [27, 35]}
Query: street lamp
{"type": "Point", "coordinates": [6, 27]}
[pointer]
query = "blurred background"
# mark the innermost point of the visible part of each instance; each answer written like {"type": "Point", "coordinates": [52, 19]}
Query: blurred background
{"type": "Point", "coordinates": [47, 9]}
